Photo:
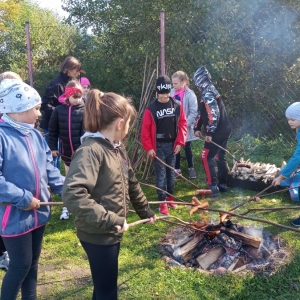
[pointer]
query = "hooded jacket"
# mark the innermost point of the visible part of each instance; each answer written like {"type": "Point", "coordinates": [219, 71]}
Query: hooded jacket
{"type": "Point", "coordinates": [26, 170]}
{"type": "Point", "coordinates": [148, 132]}
{"type": "Point", "coordinates": [50, 100]}
{"type": "Point", "coordinates": [66, 123]}
{"type": "Point", "coordinates": [98, 188]}
{"type": "Point", "coordinates": [213, 115]}
{"type": "Point", "coordinates": [190, 107]}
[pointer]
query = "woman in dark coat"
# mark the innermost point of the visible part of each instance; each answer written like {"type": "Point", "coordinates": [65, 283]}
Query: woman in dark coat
{"type": "Point", "coordinates": [69, 69]}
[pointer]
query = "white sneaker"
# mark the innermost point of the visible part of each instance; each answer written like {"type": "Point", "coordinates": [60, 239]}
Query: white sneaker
{"type": "Point", "coordinates": [4, 261]}
{"type": "Point", "coordinates": [64, 214]}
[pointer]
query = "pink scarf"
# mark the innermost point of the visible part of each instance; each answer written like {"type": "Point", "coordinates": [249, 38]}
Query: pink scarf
{"type": "Point", "coordinates": [179, 93]}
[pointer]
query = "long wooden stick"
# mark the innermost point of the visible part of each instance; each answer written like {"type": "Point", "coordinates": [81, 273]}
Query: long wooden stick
{"type": "Point", "coordinates": [251, 199]}
{"type": "Point", "coordinates": [232, 214]}
{"type": "Point", "coordinates": [154, 187]}
{"type": "Point", "coordinates": [269, 209]}
{"type": "Point", "coordinates": [180, 175]}
{"type": "Point", "coordinates": [222, 149]}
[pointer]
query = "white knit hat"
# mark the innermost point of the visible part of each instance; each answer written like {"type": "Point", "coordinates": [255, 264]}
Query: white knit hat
{"type": "Point", "coordinates": [293, 111]}
{"type": "Point", "coordinates": [17, 96]}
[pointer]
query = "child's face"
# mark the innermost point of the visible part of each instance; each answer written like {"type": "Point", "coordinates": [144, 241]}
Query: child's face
{"type": "Point", "coordinates": [30, 116]}
{"type": "Point", "coordinates": [178, 84]}
{"type": "Point", "coordinates": [75, 99]}
{"type": "Point", "coordinates": [85, 89]}
{"type": "Point", "coordinates": [293, 123]}
{"type": "Point", "coordinates": [163, 98]}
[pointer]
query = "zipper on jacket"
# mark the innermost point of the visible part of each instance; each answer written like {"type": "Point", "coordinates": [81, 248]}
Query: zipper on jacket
{"type": "Point", "coordinates": [37, 178]}
{"type": "Point", "coordinates": [6, 217]}
{"type": "Point", "coordinates": [123, 183]}
{"type": "Point", "coordinates": [69, 129]}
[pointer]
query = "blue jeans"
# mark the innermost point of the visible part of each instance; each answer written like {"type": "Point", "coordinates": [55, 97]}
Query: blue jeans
{"type": "Point", "coordinates": [56, 159]}
{"type": "Point", "coordinates": [292, 182]}
{"type": "Point", "coordinates": [164, 176]}
{"type": "Point", "coordinates": [24, 252]}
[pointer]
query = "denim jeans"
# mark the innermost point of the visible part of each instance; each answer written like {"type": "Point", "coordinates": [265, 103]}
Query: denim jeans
{"type": "Point", "coordinates": [164, 176]}
{"type": "Point", "coordinates": [292, 182]}
{"type": "Point", "coordinates": [188, 154]}
{"type": "Point", "coordinates": [56, 159]}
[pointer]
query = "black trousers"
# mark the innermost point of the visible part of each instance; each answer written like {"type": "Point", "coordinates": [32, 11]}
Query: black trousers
{"type": "Point", "coordinates": [104, 268]}
{"type": "Point", "coordinates": [2, 246]}
{"type": "Point", "coordinates": [212, 155]}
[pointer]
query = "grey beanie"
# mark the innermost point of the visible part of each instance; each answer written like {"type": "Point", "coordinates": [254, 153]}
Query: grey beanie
{"type": "Point", "coordinates": [17, 96]}
{"type": "Point", "coordinates": [293, 111]}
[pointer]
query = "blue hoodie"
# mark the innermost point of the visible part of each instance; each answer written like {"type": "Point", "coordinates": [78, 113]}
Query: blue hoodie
{"type": "Point", "coordinates": [26, 170]}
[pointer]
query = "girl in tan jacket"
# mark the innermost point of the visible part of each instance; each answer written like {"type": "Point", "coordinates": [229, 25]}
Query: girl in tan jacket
{"type": "Point", "coordinates": [100, 185]}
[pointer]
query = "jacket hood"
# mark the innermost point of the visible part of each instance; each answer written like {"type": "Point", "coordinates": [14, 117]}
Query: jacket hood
{"type": "Point", "coordinates": [91, 134]}
{"type": "Point", "coordinates": [202, 78]}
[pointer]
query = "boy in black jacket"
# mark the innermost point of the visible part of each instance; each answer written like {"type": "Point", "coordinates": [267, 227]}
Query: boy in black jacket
{"type": "Point", "coordinates": [217, 126]}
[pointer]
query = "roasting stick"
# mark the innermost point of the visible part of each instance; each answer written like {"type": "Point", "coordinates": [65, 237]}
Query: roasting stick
{"type": "Point", "coordinates": [180, 175]}
{"type": "Point", "coordinates": [222, 149]}
{"type": "Point", "coordinates": [154, 187]}
{"type": "Point", "coordinates": [252, 198]}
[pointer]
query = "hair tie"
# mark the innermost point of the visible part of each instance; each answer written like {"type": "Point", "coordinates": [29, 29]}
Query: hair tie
{"type": "Point", "coordinates": [101, 94]}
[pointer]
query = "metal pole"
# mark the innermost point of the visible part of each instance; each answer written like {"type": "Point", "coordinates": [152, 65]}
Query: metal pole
{"type": "Point", "coordinates": [29, 53]}
{"type": "Point", "coordinates": [162, 42]}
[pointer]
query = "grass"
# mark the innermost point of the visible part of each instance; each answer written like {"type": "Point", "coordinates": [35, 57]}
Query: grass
{"type": "Point", "coordinates": [64, 270]}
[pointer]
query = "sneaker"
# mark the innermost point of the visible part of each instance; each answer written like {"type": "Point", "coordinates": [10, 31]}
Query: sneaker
{"type": "Point", "coordinates": [172, 205]}
{"type": "Point", "coordinates": [179, 172]}
{"type": "Point", "coordinates": [223, 188]}
{"type": "Point", "coordinates": [163, 209]}
{"type": "Point", "coordinates": [64, 214]}
{"type": "Point", "coordinates": [214, 189]}
{"type": "Point", "coordinates": [296, 222]}
{"type": "Point", "coordinates": [192, 173]}
{"type": "Point", "coordinates": [4, 261]}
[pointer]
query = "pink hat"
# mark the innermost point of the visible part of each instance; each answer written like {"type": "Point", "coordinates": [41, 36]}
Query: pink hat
{"type": "Point", "coordinates": [84, 81]}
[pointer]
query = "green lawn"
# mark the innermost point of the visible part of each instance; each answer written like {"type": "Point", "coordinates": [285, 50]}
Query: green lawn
{"type": "Point", "coordinates": [64, 271]}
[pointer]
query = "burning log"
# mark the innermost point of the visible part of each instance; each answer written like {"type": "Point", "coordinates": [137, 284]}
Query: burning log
{"type": "Point", "coordinates": [208, 258]}
{"type": "Point", "coordinates": [185, 253]}
{"type": "Point", "coordinates": [246, 239]}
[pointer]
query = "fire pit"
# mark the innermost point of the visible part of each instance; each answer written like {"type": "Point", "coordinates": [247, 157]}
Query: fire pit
{"type": "Point", "coordinates": [234, 248]}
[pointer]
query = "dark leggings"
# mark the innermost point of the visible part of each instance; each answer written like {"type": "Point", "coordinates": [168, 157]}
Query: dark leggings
{"type": "Point", "coordinates": [2, 246]}
{"type": "Point", "coordinates": [24, 252]}
{"type": "Point", "coordinates": [104, 268]}
{"type": "Point", "coordinates": [188, 154]}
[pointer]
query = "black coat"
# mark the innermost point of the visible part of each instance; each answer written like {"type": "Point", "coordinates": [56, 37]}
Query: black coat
{"type": "Point", "coordinates": [60, 126]}
{"type": "Point", "coordinates": [50, 100]}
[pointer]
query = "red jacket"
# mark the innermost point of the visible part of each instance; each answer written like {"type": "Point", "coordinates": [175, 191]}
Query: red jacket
{"type": "Point", "coordinates": [148, 133]}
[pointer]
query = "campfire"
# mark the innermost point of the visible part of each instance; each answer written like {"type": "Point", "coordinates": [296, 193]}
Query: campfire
{"type": "Point", "coordinates": [227, 247]}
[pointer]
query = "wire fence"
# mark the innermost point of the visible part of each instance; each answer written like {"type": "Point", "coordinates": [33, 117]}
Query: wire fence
{"type": "Point", "coordinates": [251, 48]}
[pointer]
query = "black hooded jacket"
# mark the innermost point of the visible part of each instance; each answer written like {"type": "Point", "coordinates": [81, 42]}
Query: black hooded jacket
{"type": "Point", "coordinates": [66, 123]}
{"type": "Point", "coordinates": [50, 100]}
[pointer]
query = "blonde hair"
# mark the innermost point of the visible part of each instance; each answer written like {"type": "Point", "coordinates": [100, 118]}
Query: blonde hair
{"type": "Point", "coordinates": [182, 76]}
{"type": "Point", "coordinates": [9, 75]}
{"type": "Point", "coordinates": [102, 109]}
{"type": "Point", "coordinates": [70, 63]}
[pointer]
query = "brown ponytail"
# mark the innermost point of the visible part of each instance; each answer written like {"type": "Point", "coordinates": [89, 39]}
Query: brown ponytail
{"type": "Point", "coordinates": [102, 109]}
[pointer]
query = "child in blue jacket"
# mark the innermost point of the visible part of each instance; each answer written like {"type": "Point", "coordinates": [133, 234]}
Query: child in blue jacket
{"type": "Point", "coordinates": [25, 172]}
{"type": "Point", "coordinates": [289, 175]}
